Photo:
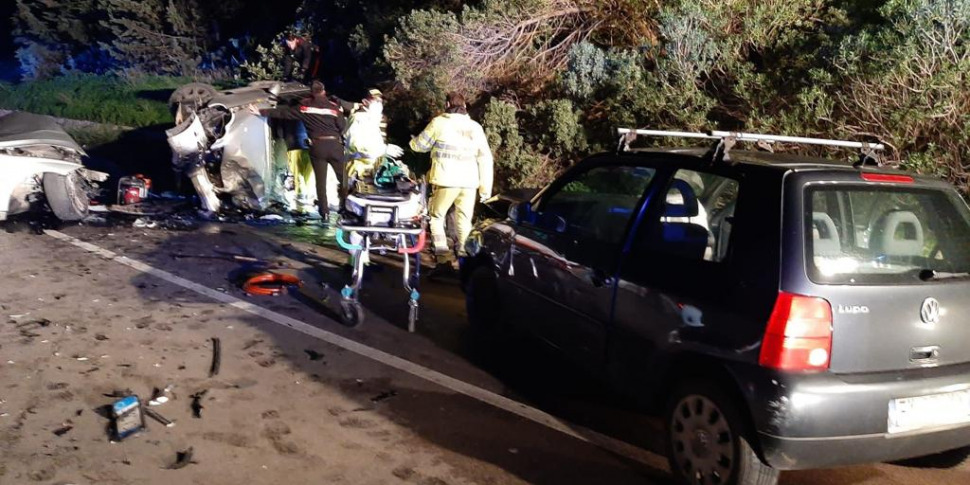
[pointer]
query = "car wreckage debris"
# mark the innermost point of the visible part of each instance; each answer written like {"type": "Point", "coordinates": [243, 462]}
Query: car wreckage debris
{"type": "Point", "coordinates": [182, 459]}
{"type": "Point", "coordinates": [68, 426]}
{"type": "Point", "coordinates": [216, 357]}
{"type": "Point", "coordinates": [197, 403]}
{"type": "Point", "coordinates": [127, 417]}
{"type": "Point", "coordinates": [313, 354]}
{"type": "Point", "coordinates": [151, 413]}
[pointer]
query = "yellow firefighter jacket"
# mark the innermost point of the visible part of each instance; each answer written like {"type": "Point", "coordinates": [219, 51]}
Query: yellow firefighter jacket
{"type": "Point", "coordinates": [365, 143]}
{"type": "Point", "coordinates": [460, 156]}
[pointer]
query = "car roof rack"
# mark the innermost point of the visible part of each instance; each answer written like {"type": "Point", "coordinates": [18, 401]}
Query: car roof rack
{"type": "Point", "coordinates": [727, 139]}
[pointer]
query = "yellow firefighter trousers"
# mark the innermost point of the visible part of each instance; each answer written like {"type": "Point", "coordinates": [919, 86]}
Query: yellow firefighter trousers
{"type": "Point", "coordinates": [441, 201]}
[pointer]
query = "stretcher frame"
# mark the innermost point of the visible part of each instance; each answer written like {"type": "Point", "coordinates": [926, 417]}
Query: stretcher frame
{"type": "Point", "coordinates": [407, 238]}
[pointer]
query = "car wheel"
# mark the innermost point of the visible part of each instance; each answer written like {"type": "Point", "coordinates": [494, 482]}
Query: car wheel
{"type": "Point", "coordinates": [195, 95]}
{"type": "Point", "coordinates": [481, 302]}
{"type": "Point", "coordinates": [351, 314]}
{"type": "Point", "coordinates": [66, 196]}
{"type": "Point", "coordinates": [708, 441]}
{"type": "Point", "coordinates": [199, 93]}
{"type": "Point", "coordinates": [943, 460]}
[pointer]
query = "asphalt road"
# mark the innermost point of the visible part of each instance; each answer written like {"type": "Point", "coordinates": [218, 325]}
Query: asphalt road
{"type": "Point", "coordinates": [435, 435]}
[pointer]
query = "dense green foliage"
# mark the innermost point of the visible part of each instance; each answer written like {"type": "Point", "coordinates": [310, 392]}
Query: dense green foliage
{"type": "Point", "coordinates": [894, 72]}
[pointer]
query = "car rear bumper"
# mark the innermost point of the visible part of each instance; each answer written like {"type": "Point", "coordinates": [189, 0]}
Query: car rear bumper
{"type": "Point", "coordinates": [821, 420]}
{"type": "Point", "coordinates": [803, 453]}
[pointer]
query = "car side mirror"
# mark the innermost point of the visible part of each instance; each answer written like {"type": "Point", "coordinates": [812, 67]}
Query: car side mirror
{"type": "Point", "coordinates": [520, 212]}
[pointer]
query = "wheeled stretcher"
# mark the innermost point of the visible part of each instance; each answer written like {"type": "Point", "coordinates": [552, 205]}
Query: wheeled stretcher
{"type": "Point", "coordinates": [383, 219]}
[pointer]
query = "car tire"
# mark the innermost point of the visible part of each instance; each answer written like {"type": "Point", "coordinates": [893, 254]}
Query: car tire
{"type": "Point", "coordinates": [66, 196]}
{"type": "Point", "coordinates": [482, 302]}
{"type": "Point", "coordinates": [708, 441]}
{"type": "Point", "coordinates": [199, 93]}
{"type": "Point", "coordinates": [943, 460]}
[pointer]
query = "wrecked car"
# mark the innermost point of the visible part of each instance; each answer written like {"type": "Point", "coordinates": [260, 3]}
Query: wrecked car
{"type": "Point", "coordinates": [231, 156]}
{"type": "Point", "coordinates": [41, 162]}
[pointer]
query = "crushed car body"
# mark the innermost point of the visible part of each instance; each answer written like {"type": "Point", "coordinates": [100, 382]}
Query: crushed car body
{"type": "Point", "coordinates": [40, 161]}
{"type": "Point", "coordinates": [230, 155]}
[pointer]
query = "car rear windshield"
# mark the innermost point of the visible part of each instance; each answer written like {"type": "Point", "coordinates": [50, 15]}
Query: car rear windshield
{"type": "Point", "coordinates": [885, 235]}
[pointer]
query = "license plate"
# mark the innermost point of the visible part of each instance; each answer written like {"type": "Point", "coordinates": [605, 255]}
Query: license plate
{"type": "Point", "coordinates": [914, 413]}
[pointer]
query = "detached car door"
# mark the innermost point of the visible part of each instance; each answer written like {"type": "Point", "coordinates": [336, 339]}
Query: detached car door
{"type": "Point", "coordinates": [565, 255]}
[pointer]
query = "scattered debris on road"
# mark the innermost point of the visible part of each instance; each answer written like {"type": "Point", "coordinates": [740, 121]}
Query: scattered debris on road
{"type": "Point", "coordinates": [182, 459]}
{"type": "Point", "coordinates": [127, 417]}
{"type": "Point", "coordinates": [383, 396]}
{"type": "Point", "coordinates": [313, 354]}
{"type": "Point", "coordinates": [197, 403]}
{"type": "Point", "coordinates": [159, 396]}
{"type": "Point", "coordinates": [64, 429]}
{"type": "Point", "coordinates": [216, 357]}
{"type": "Point", "coordinates": [151, 413]}
{"type": "Point", "coordinates": [270, 284]}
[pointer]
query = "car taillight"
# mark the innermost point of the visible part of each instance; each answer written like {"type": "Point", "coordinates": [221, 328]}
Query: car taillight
{"type": "Point", "coordinates": [799, 334]}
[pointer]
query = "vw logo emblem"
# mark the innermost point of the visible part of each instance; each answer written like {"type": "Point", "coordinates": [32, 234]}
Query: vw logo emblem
{"type": "Point", "coordinates": [930, 311]}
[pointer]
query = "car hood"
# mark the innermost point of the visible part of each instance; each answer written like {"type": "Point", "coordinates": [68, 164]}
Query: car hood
{"type": "Point", "coordinates": [22, 130]}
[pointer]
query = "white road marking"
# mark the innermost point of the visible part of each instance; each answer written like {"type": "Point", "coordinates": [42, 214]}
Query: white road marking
{"type": "Point", "coordinates": [608, 443]}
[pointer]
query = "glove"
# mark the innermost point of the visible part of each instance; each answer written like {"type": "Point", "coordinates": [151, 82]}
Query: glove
{"type": "Point", "coordinates": [394, 151]}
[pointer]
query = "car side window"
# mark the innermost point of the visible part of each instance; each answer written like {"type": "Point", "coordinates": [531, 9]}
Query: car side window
{"type": "Point", "coordinates": [597, 204]}
{"type": "Point", "coordinates": [697, 216]}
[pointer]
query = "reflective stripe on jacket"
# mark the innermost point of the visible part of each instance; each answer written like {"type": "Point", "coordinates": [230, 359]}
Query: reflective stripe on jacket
{"type": "Point", "coordinates": [460, 156]}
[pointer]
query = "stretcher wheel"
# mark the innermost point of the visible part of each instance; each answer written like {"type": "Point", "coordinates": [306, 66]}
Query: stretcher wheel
{"type": "Point", "coordinates": [351, 313]}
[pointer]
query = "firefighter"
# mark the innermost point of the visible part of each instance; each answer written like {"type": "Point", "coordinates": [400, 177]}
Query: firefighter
{"type": "Point", "coordinates": [299, 51]}
{"type": "Point", "coordinates": [325, 123]}
{"type": "Point", "coordinates": [461, 165]}
{"type": "Point", "coordinates": [365, 138]}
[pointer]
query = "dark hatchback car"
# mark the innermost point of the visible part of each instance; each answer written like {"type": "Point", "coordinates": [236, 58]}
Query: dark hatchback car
{"type": "Point", "coordinates": [784, 312]}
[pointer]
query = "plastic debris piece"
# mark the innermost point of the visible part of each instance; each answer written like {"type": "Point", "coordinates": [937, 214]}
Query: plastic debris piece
{"type": "Point", "coordinates": [270, 284]}
{"type": "Point", "coordinates": [182, 459]}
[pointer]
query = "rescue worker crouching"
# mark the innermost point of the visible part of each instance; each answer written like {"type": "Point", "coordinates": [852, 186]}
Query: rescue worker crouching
{"type": "Point", "coordinates": [325, 123]}
{"type": "Point", "coordinates": [461, 166]}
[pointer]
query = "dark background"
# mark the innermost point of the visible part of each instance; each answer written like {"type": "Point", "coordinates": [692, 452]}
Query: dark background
{"type": "Point", "coordinates": [8, 60]}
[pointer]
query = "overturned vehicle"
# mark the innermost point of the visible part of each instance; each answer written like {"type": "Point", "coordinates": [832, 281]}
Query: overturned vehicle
{"type": "Point", "coordinates": [40, 162]}
{"type": "Point", "coordinates": [235, 158]}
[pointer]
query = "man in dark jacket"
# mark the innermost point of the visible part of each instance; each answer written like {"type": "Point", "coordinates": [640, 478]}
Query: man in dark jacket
{"type": "Point", "coordinates": [299, 51]}
{"type": "Point", "coordinates": [325, 124]}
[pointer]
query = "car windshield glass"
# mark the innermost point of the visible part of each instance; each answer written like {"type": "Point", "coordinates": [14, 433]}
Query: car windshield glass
{"type": "Point", "coordinates": [597, 204]}
{"type": "Point", "coordinates": [867, 235]}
